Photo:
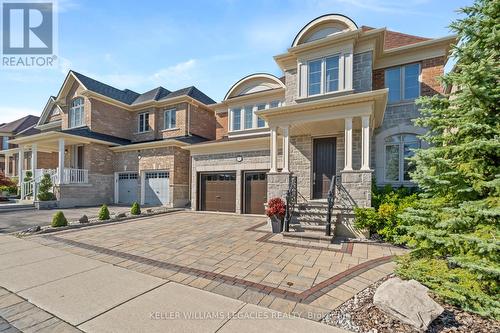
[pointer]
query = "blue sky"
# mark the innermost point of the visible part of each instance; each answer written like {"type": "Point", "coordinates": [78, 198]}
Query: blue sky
{"type": "Point", "coordinates": [210, 44]}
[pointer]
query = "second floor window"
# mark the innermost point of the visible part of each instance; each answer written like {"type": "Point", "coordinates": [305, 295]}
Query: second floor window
{"type": "Point", "coordinates": [323, 75]}
{"type": "Point", "coordinates": [243, 118]}
{"type": "Point", "coordinates": [260, 122]}
{"type": "Point", "coordinates": [76, 114]}
{"type": "Point", "coordinates": [236, 119]}
{"type": "Point", "coordinates": [143, 122]}
{"type": "Point", "coordinates": [5, 143]}
{"type": "Point", "coordinates": [398, 148]}
{"type": "Point", "coordinates": [403, 82]}
{"type": "Point", "coordinates": [170, 119]}
{"type": "Point", "coordinates": [248, 117]}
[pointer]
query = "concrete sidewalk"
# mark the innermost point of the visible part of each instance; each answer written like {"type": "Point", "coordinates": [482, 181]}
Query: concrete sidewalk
{"type": "Point", "coordinates": [99, 297]}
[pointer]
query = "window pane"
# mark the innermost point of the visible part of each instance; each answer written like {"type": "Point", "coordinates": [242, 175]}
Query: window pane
{"type": "Point", "coordinates": [332, 74]}
{"type": "Point", "coordinates": [411, 81]}
{"type": "Point", "coordinates": [392, 162]}
{"type": "Point", "coordinates": [315, 77]}
{"type": "Point", "coordinates": [173, 118]}
{"type": "Point", "coordinates": [393, 82]}
{"type": "Point", "coordinates": [248, 116]}
{"type": "Point", "coordinates": [166, 120]}
{"type": "Point", "coordinates": [236, 119]}
{"type": "Point", "coordinates": [146, 122]}
{"type": "Point", "coordinates": [261, 122]}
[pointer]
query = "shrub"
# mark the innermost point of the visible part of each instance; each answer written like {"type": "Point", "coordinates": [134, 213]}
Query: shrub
{"type": "Point", "coordinates": [44, 188]}
{"type": "Point", "coordinates": [10, 189]}
{"type": "Point", "coordinates": [28, 177]}
{"type": "Point", "coordinates": [383, 218]}
{"type": "Point", "coordinates": [276, 207]}
{"type": "Point", "coordinates": [59, 220]}
{"type": "Point", "coordinates": [4, 181]}
{"type": "Point", "coordinates": [136, 209]}
{"type": "Point", "coordinates": [104, 213]}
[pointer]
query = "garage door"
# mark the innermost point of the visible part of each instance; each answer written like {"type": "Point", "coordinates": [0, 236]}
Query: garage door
{"type": "Point", "coordinates": [218, 192]}
{"type": "Point", "coordinates": [156, 188]}
{"type": "Point", "coordinates": [255, 192]}
{"type": "Point", "coordinates": [128, 186]}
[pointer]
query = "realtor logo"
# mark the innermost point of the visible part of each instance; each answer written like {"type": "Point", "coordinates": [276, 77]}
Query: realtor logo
{"type": "Point", "coordinates": [28, 28]}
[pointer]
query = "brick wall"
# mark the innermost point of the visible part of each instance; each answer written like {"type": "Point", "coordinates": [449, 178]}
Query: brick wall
{"type": "Point", "coordinates": [75, 91]}
{"type": "Point", "coordinates": [180, 122]}
{"type": "Point", "coordinates": [431, 70]}
{"type": "Point", "coordinates": [111, 120]}
{"type": "Point", "coordinates": [47, 160]}
{"type": "Point", "coordinates": [98, 159]}
{"type": "Point", "coordinates": [221, 126]}
{"type": "Point", "coordinates": [153, 123]}
{"type": "Point", "coordinates": [202, 122]}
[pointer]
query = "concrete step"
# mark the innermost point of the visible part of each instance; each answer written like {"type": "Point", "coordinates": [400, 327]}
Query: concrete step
{"type": "Point", "coordinates": [310, 228]}
{"type": "Point", "coordinates": [4, 208]}
{"type": "Point", "coordinates": [308, 236]}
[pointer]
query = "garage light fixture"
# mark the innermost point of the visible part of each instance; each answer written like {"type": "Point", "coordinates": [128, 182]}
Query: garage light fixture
{"type": "Point", "coordinates": [239, 158]}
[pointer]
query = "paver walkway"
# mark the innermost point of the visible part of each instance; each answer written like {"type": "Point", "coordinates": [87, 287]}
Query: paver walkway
{"type": "Point", "coordinates": [234, 256]}
{"type": "Point", "coordinates": [51, 290]}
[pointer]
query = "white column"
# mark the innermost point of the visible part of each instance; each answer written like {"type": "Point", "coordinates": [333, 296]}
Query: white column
{"type": "Point", "coordinates": [20, 165]}
{"type": "Point", "coordinates": [7, 165]}
{"type": "Point", "coordinates": [286, 149]}
{"type": "Point", "coordinates": [348, 144]}
{"type": "Point", "coordinates": [365, 143]}
{"type": "Point", "coordinates": [34, 159]}
{"type": "Point", "coordinates": [274, 149]}
{"type": "Point", "coordinates": [60, 170]}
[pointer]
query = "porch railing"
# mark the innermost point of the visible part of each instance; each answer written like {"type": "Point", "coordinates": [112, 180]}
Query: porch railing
{"type": "Point", "coordinates": [291, 201]}
{"type": "Point", "coordinates": [339, 193]}
{"type": "Point", "coordinates": [75, 176]}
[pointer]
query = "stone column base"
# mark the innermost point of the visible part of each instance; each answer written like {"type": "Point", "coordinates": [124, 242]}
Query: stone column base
{"type": "Point", "coordinates": [358, 184]}
{"type": "Point", "coordinates": [277, 184]}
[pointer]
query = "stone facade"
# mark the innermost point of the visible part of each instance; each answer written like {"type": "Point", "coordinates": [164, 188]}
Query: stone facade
{"type": "Point", "coordinates": [362, 72]}
{"type": "Point", "coordinates": [99, 190]}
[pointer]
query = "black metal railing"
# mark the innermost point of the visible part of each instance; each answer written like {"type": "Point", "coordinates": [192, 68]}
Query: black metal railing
{"type": "Point", "coordinates": [337, 194]}
{"type": "Point", "coordinates": [291, 201]}
{"type": "Point", "coordinates": [331, 202]}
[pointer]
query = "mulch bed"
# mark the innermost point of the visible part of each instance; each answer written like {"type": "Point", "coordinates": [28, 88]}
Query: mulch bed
{"type": "Point", "coordinates": [359, 314]}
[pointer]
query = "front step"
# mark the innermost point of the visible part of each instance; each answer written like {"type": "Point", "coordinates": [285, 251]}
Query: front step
{"type": "Point", "coordinates": [308, 236]}
{"type": "Point", "coordinates": [14, 207]}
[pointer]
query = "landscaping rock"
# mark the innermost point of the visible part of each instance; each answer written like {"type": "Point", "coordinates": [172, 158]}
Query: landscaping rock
{"type": "Point", "coordinates": [84, 219]}
{"type": "Point", "coordinates": [36, 228]}
{"type": "Point", "coordinates": [408, 302]}
{"type": "Point", "coordinates": [120, 215]}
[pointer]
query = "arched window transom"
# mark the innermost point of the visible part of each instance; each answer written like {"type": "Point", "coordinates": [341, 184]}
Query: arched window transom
{"type": "Point", "coordinates": [398, 148]}
{"type": "Point", "coordinates": [76, 113]}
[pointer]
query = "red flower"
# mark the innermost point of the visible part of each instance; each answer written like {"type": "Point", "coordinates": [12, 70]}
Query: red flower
{"type": "Point", "coordinates": [276, 206]}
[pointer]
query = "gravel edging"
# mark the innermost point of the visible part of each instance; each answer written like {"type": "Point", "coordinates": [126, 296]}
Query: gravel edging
{"type": "Point", "coordinates": [360, 315]}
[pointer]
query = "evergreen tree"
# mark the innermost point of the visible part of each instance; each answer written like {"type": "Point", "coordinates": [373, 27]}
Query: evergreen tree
{"type": "Point", "coordinates": [44, 189]}
{"type": "Point", "coordinates": [456, 220]}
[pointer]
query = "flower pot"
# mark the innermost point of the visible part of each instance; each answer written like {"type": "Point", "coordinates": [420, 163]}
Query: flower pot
{"type": "Point", "coordinates": [276, 224]}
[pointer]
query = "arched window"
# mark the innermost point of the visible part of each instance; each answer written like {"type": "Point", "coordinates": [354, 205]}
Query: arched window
{"type": "Point", "coordinates": [398, 148]}
{"type": "Point", "coordinates": [76, 113]}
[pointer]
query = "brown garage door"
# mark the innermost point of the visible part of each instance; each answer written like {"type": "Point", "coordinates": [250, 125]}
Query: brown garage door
{"type": "Point", "coordinates": [255, 192]}
{"type": "Point", "coordinates": [218, 192]}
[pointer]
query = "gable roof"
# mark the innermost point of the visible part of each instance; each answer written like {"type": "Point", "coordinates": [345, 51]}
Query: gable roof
{"type": "Point", "coordinates": [395, 39]}
{"type": "Point", "coordinates": [87, 133]}
{"type": "Point", "coordinates": [130, 97]}
{"type": "Point", "coordinates": [19, 125]}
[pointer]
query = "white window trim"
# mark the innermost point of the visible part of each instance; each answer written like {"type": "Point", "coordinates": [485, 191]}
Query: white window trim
{"type": "Point", "coordinates": [139, 123]}
{"type": "Point", "coordinates": [71, 113]}
{"type": "Point", "coordinates": [254, 116]}
{"type": "Point", "coordinates": [401, 99]}
{"type": "Point", "coordinates": [401, 159]}
{"type": "Point", "coordinates": [345, 76]}
{"type": "Point", "coordinates": [165, 128]}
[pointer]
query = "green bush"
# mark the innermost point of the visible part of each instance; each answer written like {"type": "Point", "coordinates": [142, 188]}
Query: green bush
{"type": "Point", "coordinates": [457, 286]}
{"type": "Point", "coordinates": [44, 188]}
{"type": "Point", "coordinates": [12, 189]}
{"type": "Point", "coordinates": [383, 218]}
{"type": "Point", "coordinates": [104, 213]}
{"type": "Point", "coordinates": [59, 220]}
{"type": "Point", "coordinates": [136, 209]}
{"type": "Point", "coordinates": [29, 176]}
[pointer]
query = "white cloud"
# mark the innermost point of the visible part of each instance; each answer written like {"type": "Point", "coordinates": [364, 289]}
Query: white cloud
{"type": "Point", "coordinates": [181, 72]}
{"type": "Point", "coordinates": [10, 113]}
{"type": "Point", "coordinates": [385, 6]}
{"type": "Point", "coordinates": [66, 5]}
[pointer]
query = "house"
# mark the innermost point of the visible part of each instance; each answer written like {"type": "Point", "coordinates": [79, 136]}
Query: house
{"type": "Point", "coordinates": [344, 107]}
{"type": "Point", "coordinates": [17, 128]}
{"type": "Point", "coordinates": [115, 146]}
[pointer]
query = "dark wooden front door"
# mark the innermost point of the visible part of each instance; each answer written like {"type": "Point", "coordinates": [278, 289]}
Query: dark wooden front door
{"type": "Point", "coordinates": [325, 155]}
{"type": "Point", "coordinates": [255, 192]}
{"type": "Point", "coordinates": [218, 192]}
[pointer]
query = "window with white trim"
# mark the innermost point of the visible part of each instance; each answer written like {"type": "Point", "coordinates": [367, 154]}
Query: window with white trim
{"type": "Point", "coordinates": [244, 118]}
{"type": "Point", "coordinates": [76, 113]}
{"type": "Point", "coordinates": [323, 75]}
{"type": "Point", "coordinates": [5, 143]}
{"type": "Point", "coordinates": [143, 125]}
{"type": "Point", "coordinates": [398, 149]}
{"type": "Point", "coordinates": [403, 82]}
{"type": "Point", "coordinates": [169, 120]}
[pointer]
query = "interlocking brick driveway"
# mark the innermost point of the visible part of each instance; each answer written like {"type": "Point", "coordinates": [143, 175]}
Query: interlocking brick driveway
{"type": "Point", "coordinates": [234, 256]}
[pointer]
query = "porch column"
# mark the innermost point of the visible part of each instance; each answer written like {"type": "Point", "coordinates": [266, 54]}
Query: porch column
{"type": "Point", "coordinates": [20, 168]}
{"type": "Point", "coordinates": [286, 149]}
{"type": "Point", "coordinates": [348, 144]}
{"type": "Point", "coordinates": [60, 169]}
{"type": "Point", "coordinates": [7, 165]}
{"type": "Point", "coordinates": [34, 158]}
{"type": "Point", "coordinates": [365, 143]}
{"type": "Point", "coordinates": [274, 149]}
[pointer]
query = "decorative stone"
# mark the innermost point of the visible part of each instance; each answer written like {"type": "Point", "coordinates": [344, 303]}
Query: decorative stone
{"type": "Point", "coordinates": [120, 215]}
{"type": "Point", "coordinates": [34, 229]}
{"type": "Point", "coordinates": [84, 219]}
{"type": "Point", "coordinates": [408, 302]}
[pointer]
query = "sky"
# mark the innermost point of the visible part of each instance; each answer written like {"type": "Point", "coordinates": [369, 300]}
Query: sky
{"type": "Point", "coordinates": [210, 44]}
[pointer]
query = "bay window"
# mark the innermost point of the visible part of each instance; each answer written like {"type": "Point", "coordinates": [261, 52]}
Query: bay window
{"type": "Point", "coordinates": [170, 119]}
{"type": "Point", "coordinates": [403, 82]}
{"type": "Point", "coordinates": [398, 149]}
{"type": "Point", "coordinates": [143, 122]}
{"type": "Point", "coordinates": [76, 113]}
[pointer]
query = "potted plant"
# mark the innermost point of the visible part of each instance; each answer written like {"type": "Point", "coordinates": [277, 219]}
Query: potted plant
{"type": "Point", "coordinates": [46, 199]}
{"type": "Point", "coordinates": [276, 208]}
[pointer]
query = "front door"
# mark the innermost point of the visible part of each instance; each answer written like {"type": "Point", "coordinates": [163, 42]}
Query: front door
{"type": "Point", "coordinates": [324, 155]}
{"type": "Point", "coordinates": [77, 153]}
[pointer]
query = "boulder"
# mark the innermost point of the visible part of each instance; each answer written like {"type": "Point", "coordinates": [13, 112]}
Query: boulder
{"type": "Point", "coordinates": [408, 302]}
{"type": "Point", "coordinates": [120, 215]}
{"type": "Point", "coordinates": [84, 219]}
